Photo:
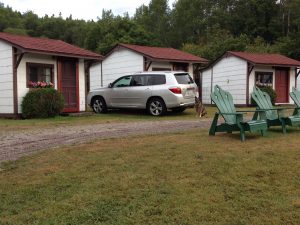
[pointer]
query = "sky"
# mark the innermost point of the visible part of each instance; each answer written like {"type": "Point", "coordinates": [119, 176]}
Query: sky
{"type": "Point", "coordinates": [80, 9]}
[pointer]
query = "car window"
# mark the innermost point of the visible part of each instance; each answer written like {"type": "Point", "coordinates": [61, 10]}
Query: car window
{"type": "Point", "coordinates": [183, 78]}
{"type": "Point", "coordinates": [122, 82]}
{"type": "Point", "coordinates": [156, 79]}
{"type": "Point", "coordinates": [139, 80]}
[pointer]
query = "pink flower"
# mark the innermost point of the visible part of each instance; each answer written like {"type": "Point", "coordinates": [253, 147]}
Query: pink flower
{"type": "Point", "coordinates": [40, 84]}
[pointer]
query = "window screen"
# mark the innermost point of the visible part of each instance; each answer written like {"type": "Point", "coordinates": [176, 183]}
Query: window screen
{"type": "Point", "coordinates": [39, 73]}
{"type": "Point", "coordinates": [264, 79]}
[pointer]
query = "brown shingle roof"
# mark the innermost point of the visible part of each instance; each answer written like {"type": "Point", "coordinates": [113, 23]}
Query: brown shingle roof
{"type": "Point", "coordinates": [166, 54]}
{"type": "Point", "coordinates": [266, 59]}
{"type": "Point", "coordinates": [48, 46]}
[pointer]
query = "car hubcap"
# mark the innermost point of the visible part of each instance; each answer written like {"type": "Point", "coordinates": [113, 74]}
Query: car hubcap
{"type": "Point", "coordinates": [98, 106]}
{"type": "Point", "coordinates": [156, 108]}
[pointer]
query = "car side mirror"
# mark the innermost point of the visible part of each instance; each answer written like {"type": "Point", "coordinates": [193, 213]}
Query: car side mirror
{"type": "Point", "coordinates": [110, 85]}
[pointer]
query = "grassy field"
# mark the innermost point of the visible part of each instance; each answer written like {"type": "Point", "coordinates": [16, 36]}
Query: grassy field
{"type": "Point", "coordinates": [183, 178]}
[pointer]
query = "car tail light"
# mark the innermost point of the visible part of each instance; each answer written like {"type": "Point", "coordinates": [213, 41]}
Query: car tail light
{"type": "Point", "coordinates": [175, 90]}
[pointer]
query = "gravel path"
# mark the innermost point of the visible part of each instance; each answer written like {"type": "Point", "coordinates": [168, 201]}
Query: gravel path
{"type": "Point", "coordinates": [16, 144]}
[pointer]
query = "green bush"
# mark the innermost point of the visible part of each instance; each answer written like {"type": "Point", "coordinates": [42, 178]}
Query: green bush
{"type": "Point", "coordinates": [42, 103]}
{"type": "Point", "coordinates": [270, 91]}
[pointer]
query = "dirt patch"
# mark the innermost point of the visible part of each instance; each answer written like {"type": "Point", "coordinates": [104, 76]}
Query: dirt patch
{"type": "Point", "coordinates": [15, 144]}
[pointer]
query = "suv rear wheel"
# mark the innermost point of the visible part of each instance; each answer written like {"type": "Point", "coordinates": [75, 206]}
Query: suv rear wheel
{"type": "Point", "coordinates": [156, 107]}
{"type": "Point", "coordinates": [99, 105]}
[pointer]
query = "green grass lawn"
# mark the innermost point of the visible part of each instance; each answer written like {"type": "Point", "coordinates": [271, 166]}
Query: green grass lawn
{"type": "Point", "coordinates": [183, 178]}
{"type": "Point", "coordinates": [111, 117]}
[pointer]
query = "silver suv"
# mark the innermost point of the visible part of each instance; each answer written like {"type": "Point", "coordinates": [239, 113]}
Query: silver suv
{"type": "Point", "coordinates": [155, 91]}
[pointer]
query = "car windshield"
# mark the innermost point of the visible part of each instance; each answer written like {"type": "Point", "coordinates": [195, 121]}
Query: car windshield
{"type": "Point", "coordinates": [183, 78]}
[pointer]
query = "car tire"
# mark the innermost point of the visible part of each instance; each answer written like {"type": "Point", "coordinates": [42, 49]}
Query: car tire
{"type": "Point", "coordinates": [99, 105]}
{"type": "Point", "coordinates": [156, 107]}
{"type": "Point", "coordinates": [179, 110]}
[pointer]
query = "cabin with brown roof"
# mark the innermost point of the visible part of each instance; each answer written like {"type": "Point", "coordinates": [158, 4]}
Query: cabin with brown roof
{"type": "Point", "coordinates": [27, 60]}
{"type": "Point", "coordinates": [238, 72]}
{"type": "Point", "coordinates": [127, 59]}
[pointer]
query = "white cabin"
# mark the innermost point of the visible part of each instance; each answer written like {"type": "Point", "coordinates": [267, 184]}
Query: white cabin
{"type": "Point", "coordinates": [126, 59]}
{"type": "Point", "coordinates": [238, 72]}
{"type": "Point", "coordinates": [24, 60]}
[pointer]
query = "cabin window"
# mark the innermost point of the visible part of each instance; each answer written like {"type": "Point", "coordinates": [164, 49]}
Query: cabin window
{"type": "Point", "coordinates": [264, 79]}
{"type": "Point", "coordinates": [36, 72]}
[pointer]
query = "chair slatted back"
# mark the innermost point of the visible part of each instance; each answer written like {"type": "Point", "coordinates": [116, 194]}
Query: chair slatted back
{"type": "Point", "coordinates": [224, 102]}
{"type": "Point", "coordinates": [295, 95]}
{"type": "Point", "coordinates": [263, 101]}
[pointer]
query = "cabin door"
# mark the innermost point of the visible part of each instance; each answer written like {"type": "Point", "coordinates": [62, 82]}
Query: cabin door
{"type": "Point", "coordinates": [282, 80]}
{"type": "Point", "coordinates": [69, 85]}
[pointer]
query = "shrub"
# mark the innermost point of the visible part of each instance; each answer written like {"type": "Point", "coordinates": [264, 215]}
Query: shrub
{"type": "Point", "coordinates": [270, 91]}
{"type": "Point", "coordinates": [42, 103]}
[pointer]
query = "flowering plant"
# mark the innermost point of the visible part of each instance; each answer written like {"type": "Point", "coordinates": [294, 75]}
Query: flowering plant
{"type": "Point", "coordinates": [40, 84]}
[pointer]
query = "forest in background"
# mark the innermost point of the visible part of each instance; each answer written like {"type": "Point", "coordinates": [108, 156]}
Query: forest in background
{"type": "Point", "coordinates": [206, 28]}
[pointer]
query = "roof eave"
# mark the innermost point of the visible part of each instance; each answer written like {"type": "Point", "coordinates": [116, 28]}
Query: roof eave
{"type": "Point", "coordinates": [264, 64]}
{"type": "Point", "coordinates": [155, 58]}
{"type": "Point", "coordinates": [27, 50]}
{"type": "Point", "coordinates": [275, 65]}
{"type": "Point", "coordinates": [177, 60]}
{"type": "Point", "coordinates": [63, 54]}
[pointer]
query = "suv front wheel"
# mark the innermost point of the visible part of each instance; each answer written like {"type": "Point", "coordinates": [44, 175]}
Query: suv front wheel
{"type": "Point", "coordinates": [156, 107]}
{"type": "Point", "coordinates": [99, 105]}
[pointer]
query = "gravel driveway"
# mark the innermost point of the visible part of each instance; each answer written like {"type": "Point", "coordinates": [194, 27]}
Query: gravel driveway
{"type": "Point", "coordinates": [16, 144]}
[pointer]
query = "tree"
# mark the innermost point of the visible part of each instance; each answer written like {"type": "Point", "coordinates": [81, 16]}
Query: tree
{"type": "Point", "coordinates": [155, 18]}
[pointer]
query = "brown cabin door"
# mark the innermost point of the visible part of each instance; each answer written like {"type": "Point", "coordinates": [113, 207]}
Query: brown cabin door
{"type": "Point", "coordinates": [282, 85]}
{"type": "Point", "coordinates": [68, 83]}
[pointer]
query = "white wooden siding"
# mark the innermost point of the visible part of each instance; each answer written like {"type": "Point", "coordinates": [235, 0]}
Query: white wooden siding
{"type": "Point", "coordinates": [120, 62]}
{"type": "Point", "coordinates": [206, 86]}
{"type": "Point", "coordinates": [292, 82]}
{"type": "Point", "coordinates": [229, 73]}
{"type": "Point", "coordinates": [21, 73]}
{"type": "Point", "coordinates": [95, 76]}
{"type": "Point", "coordinates": [6, 79]}
{"type": "Point", "coordinates": [82, 99]}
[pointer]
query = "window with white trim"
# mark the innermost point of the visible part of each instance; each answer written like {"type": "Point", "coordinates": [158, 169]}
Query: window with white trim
{"type": "Point", "coordinates": [264, 79]}
{"type": "Point", "coordinates": [37, 72]}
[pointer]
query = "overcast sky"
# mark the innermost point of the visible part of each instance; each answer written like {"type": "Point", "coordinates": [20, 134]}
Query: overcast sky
{"type": "Point", "coordinates": [84, 9]}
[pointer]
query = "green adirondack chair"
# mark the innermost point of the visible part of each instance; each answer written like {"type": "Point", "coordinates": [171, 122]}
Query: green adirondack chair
{"type": "Point", "coordinates": [274, 116]}
{"type": "Point", "coordinates": [295, 95]}
{"type": "Point", "coordinates": [233, 119]}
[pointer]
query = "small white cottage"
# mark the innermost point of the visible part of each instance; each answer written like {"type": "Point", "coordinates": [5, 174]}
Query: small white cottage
{"type": "Point", "coordinates": [238, 72]}
{"type": "Point", "coordinates": [26, 60]}
{"type": "Point", "coordinates": [126, 59]}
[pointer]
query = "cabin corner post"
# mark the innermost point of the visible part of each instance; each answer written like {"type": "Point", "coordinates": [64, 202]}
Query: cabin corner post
{"type": "Point", "coordinates": [15, 80]}
{"type": "Point", "coordinates": [249, 71]}
{"type": "Point", "coordinates": [101, 74]}
{"type": "Point", "coordinates": [147, 64]}
{"type": "Point", "coordinates": [297, 72]}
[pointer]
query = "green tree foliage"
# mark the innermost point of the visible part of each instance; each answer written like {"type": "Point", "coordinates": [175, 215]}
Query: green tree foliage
{"type": "Point", "coordinates": [155, 18]}
{"type": "Point", "coordinates": [110, 30]}
{"type": "Point", "coordinates": [203, 27]}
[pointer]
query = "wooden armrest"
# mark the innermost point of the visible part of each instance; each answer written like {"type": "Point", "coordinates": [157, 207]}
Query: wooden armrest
{"type": "Point", "coordinates": [236, 113]}
{"type": "Point", "coordinates": [257, 110]}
